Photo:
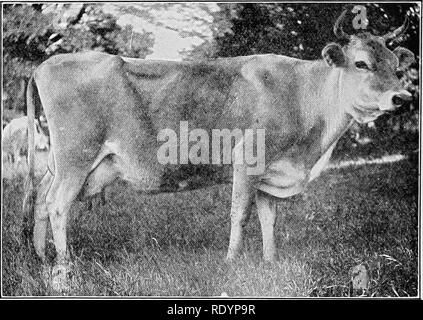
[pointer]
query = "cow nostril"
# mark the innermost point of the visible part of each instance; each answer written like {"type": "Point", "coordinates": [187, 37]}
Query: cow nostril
{"type": "Point", "coordinates": [397, 100]}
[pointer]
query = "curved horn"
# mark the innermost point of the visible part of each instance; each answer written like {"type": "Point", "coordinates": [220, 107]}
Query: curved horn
{"type": "Point", "coordinates": [337, 28]}
{"type": "Point", "coordinates": [397, 32]}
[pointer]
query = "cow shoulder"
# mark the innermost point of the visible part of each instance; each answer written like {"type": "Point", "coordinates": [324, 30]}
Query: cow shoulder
{"type": "Point", "coordinates": [275, 81]}
{"type": "Point", "coordinates": [266, 72]}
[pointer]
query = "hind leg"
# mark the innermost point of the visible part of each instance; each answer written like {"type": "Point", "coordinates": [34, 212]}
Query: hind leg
{"type": "Point", "coordinates": [41, 216]}
{"type": "Point", "coordinates": [63, 191]}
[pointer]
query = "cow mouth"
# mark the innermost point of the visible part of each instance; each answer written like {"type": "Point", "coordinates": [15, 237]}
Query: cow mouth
{"type": "Point", "coordinates": [366, 112]}
{"type": "Point", "coordinates": [368, 108]}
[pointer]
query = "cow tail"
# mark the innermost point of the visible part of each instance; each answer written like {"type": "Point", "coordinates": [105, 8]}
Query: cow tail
{"type": "Point", "coordinates": [30, 192]}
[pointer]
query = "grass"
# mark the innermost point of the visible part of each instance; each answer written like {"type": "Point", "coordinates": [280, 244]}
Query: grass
{"type": "Point", "coordinates": [175, 244]}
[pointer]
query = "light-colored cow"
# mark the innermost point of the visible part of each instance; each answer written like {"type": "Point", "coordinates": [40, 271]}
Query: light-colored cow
{"type": "Point", "coordinates": [105, 113]}
{"type": "Point", "coordinates": [15, 140]}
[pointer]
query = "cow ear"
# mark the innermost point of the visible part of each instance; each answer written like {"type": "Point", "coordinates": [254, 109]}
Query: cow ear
{"type": "Point", "coordinates": [405, 57]}
{"type": "Point", "coordinates": [333, 55]}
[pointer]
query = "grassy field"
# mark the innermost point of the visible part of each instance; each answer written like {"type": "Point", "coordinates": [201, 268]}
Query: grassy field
{"type": "Point", "coordinates": [175, 244]}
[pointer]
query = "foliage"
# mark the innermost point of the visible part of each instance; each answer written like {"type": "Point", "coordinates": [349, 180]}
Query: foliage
{"type": "Point", "coordinates": [302, 30]}
{"type": "Point", "coordinates": [32, 33]}
{"type": "Point", "coordinates": [188, 20]}
{"type": "Point", "coordinates": [99, 31]}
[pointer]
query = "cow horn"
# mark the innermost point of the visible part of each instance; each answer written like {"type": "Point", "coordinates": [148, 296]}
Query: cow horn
{"type": "Point", "coordinates": [397, 32]}
{"type": "Point", "coordinates": [337, 28]}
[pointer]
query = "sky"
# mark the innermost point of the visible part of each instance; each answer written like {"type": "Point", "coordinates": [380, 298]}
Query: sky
{"type": "Point", "coordinates": [163, 21]}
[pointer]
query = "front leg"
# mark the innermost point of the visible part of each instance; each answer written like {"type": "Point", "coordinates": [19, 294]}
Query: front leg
{"type": "Point", "coordinates": [240, 209]}
{"type": "Point", "coordinates": [266, 209]}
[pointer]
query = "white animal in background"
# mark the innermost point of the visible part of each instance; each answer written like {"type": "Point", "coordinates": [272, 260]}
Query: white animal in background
{"type": "Point", "coordinates": [15, 140]}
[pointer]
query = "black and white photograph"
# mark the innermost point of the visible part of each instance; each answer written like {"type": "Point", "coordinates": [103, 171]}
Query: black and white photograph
{"type": "Point", "coordinates": [220, 150]}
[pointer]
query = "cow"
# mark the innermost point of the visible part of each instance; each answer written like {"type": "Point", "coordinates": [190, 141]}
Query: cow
{"type": "Point", "coordinates": [15, 140]}
{"type": "Point", "coordinates": [105, 113]}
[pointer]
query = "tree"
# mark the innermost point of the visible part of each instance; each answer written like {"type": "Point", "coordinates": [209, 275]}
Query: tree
{"type": "Point", "coordinates": [32, 33]}
{"type": "Point", "coordinates": [302, 30]}
{"type": "Point", "coordinates": [91, 28]}
{"type": "Point", "coordinates": [25, 30]}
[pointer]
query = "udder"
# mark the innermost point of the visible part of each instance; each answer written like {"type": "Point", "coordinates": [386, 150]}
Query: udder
{"type": "Point", "coordinates": [104, 174]}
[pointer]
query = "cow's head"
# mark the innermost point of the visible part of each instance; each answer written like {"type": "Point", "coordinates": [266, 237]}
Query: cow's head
{"type": "Point", "coordinates": [368, 83]}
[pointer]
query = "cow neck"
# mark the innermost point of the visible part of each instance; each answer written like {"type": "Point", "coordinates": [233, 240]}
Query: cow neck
{"type": "Point", "coordinates": [338, 121]}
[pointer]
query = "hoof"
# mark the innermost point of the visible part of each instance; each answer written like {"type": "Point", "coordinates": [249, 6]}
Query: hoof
{"type": "Point", "coordinates": [60, 278]}
{"type": "Point", "coordinates": [46, 274]}
{"type": "Point", "coordinates": [271, 259]}
{"type": "Point", "coordinates": [233, 254]}
{"type": "Point", "coordinates": [231, 258]}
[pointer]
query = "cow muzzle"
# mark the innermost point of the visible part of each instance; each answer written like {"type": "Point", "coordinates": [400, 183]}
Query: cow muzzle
{"type": "Point", "coordinates": [390, 101]}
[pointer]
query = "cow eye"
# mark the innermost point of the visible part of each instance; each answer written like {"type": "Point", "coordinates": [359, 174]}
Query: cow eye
{"type": "Point", "coordinates": [362, 65]}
